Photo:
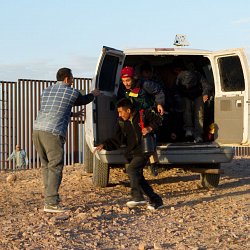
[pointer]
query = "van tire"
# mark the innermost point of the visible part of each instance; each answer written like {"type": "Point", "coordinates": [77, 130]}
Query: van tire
{"type": "Point", "coordinates": [210, 180]}
{"type": "Point", "coordinates": [88, 159]}
{"type": "Point", "coordinates": [100, 173]}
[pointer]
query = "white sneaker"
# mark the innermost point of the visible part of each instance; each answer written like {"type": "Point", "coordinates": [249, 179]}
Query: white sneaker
{"type": "Point", "coordinates": [132, 204]}
{"type": "Point", "coordinates": [54, 209]}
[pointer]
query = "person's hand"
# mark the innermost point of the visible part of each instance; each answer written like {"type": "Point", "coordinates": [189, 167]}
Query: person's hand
{"type": "Point", "coordinates": [160, 109]}
{"type": "Point", "coordinates": [98, 148]}
{"type": "Point", "coordinates": [205, 98]}
{"type": "Point", "coordinates": [96, 92]}
{"type": "Point", "coordinates": [146, 130]}
{"type": "Point", "coordinates": [173, 136]}
{"type": "Point", "coordinates": [78, 113]}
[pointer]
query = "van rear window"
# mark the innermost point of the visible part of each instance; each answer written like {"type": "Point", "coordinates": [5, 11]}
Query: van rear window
{"type": "Point", "coordinates": [232, 78]}
{"type": "Point", "coordinates": [108, 73]}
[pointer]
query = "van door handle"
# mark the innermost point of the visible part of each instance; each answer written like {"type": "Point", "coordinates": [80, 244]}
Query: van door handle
{"type": "Point", "coordinates": [238, 103]}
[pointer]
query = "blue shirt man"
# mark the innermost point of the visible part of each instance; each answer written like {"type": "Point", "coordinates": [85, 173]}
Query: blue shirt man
{"type": "Point", "coordinates": [49, 132]}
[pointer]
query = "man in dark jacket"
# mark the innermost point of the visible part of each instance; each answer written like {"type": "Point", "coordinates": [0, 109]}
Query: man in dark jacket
{"type": "Point", "coordinates": [128, 128]}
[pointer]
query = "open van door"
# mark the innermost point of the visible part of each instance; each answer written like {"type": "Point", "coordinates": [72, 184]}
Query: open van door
{"type": "Point", "coordinates": [107, 80]}
{"type": "Point", "coordinates": [231, 106]}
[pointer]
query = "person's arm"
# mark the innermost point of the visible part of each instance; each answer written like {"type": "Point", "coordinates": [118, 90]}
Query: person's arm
{"type": "Point", "coordinates": [78, 113]}
{"type": "Point", "coordinates": [26, 159]}
{"type": "Point", "coordinates": [206, 88]}
{"type": "Point", "coordinates": [152, 120]}
{"type": "Point", "coordinates": [113, 143]}
{"type": "Point", "coordinates": [156, 90]}
{"type": "Point", "coordinates": [12, 156]}
{"type": "Point", "coordinates": [85, 99]}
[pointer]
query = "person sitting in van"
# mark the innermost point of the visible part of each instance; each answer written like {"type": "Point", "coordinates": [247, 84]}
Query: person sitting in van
{"type": "Point", "coordinates": [195, 91]}
{"type": "Point", "coordinates": [132, 132]}
{"type": "Point", "coordinates": [143, 94]}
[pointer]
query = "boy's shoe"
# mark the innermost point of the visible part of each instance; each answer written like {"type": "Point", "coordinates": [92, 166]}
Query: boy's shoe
{"type": "Point", "coordinates": [153, 169]}
{"type": "Point", "coordinates": [155, 205]}
{"type": "Point", "coordinates": [54, 209]}
{"type": "Point", "coordinates": [132, 204]}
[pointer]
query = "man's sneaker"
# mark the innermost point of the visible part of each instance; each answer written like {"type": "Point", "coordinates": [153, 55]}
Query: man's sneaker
{"type": "Point", "coordinates": [132, 204]}
{"type": "Point", "coordinates": [155, 205]}
{"type": "Point", "coordinates": [153, 169]}
{"type": "Point", "coordinates": [54, 209]}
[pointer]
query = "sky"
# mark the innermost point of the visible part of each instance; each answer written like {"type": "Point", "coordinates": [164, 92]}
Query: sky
{"type": "Point", "coordinates": [37, 37]}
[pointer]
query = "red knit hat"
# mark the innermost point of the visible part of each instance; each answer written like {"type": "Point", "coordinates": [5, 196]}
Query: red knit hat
{"type": "Point", "coordinates": [127, 72]}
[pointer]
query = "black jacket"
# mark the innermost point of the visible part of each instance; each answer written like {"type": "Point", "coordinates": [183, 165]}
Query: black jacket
{"type": "Point", "coordinates": [129, 132]}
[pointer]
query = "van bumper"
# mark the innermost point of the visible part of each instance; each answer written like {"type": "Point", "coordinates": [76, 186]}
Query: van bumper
{"type": "Point", "coordinates": [187, 153]}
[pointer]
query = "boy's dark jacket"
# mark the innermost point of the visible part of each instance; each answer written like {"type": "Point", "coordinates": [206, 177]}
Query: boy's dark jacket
{"type": "Point", "coordinates": [129, 132]}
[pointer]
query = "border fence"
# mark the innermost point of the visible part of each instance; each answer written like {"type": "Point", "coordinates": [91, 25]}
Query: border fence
{"type": "Point", "coordinates": [19, 105]}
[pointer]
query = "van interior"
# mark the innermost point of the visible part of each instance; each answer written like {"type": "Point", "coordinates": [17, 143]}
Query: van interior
{"type": "Point", "coordinates": [163, 72]}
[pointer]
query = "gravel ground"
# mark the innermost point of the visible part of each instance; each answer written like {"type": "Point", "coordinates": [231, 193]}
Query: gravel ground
{"type": "Point", "coordinates": [193, 218]}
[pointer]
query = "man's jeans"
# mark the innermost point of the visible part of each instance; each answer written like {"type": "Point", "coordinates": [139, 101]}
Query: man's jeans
{"type": "Point", "coordinates": [51, 153]}
{"type": "Point", "coordinates": [193, 115]}
{"type": "Point", "coordinates": [138, 183]}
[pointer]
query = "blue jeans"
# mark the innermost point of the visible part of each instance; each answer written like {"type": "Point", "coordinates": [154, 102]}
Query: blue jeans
{"type": "Point", "coordinates": [138, 184]}
{"type": "Point", "coordinates": [51, 153]}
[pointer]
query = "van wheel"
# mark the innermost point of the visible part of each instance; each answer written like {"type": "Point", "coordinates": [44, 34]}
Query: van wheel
{"type": "Point", "coordinates": [88, 159]}
{"type": "Point", "coordinates": [100, 173]}
{"type": "Point", "coordinates": [210, 180]}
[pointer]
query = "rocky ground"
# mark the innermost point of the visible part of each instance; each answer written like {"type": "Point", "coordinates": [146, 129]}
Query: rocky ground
{"type": "Point", "coordinates": [193, 218]}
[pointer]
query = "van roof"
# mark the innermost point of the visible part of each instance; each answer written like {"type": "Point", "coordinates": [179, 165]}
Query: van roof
{"type": "Point", "coordinates": [141, 51]}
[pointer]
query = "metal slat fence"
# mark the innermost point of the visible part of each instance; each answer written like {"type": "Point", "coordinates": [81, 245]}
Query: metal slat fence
{"type": "Point", "coordinates": [19, 105]}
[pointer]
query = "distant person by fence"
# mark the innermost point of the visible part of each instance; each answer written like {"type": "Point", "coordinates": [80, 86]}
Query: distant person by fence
{"type": "Point", "coordinates": [20, 157]}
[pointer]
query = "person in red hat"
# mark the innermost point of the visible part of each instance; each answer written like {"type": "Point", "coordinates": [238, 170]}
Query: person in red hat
{"type": "Point", "coordinates": [144, 95]}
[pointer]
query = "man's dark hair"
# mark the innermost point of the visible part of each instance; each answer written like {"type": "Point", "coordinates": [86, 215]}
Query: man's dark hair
{"type": "Point", "coordinates": [62, 73]}
{"type": "Point", "coordinates": [125, 103]}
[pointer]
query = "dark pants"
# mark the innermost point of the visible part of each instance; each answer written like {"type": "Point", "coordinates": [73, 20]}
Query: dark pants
{"type": "Point", "coordinates": [51, 153]}
{"type": "Point", "coordinates": [138, 184]}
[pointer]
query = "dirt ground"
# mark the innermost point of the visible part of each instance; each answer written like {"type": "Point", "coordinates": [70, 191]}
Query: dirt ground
{"type": "Point", "coordinates": [193, 218]}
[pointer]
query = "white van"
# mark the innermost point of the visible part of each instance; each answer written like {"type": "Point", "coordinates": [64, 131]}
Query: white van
{"type": "Point", "coordinates": [227, 71]}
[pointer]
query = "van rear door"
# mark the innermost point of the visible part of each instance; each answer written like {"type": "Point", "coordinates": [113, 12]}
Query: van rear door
{"type": "Point", "coordinates": [231, 109]}
{"type": "Point", "coordinates": [107, 80]}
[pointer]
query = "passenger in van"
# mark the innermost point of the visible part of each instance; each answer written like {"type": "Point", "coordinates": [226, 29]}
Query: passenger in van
{"type": "Point", "coordinates": [143, 94]}
{"type": "Point", "coordinates": [171, 129]}
{"type": "Point", "coordinates": [195, 91]}
{"type": "Point", "coordinates": [132, 133]}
